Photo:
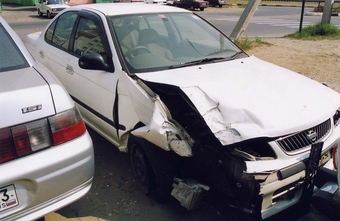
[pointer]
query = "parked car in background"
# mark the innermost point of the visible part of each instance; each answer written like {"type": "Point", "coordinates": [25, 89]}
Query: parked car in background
{"type": "Point", "coordinates": [46, 153]}
{"type": "Point", "coordinates": [170, 2]}
{"type": "Point", "coordinates": [191, 4]}
{"type": "Point", "coordinates": [195, 112]}
{"type": "Point", "coordinates": [50, 7]}
{"type": "Point", "coordinates": [218, 3]}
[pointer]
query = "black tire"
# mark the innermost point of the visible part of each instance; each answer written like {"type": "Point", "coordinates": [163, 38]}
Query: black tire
{"type": "Point", "coordinates": [220, 6]}
{"type": "Point", "coordinates": [141, 169]}
{"type": "Point", "coordinates": [39, 13]}
{"type": "Point", "coordinates": [49, 15]}
{"type": "Point", "coordinates": [152, 169]}
{"type": "Point", "coordinates": [202, 9]}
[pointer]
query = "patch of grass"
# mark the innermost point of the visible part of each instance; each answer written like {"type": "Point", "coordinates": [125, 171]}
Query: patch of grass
{"type": "Point", "coordinates": [318, 31]}
{"type": "Point", "coordinates": [246, 43]}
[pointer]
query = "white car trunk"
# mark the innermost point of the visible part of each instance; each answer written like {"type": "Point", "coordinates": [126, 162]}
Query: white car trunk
{"type": "Point", "coordinates": [21, 106]}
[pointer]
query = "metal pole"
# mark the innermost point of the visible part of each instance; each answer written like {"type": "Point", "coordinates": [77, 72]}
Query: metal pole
{"type": "Point", "coordinates": [243, 21]}
{"type": "Point", "coordinates": [302, 12]}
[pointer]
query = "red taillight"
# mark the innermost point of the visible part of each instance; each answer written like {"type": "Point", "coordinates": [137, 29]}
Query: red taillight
{"type": "Point", "coordinates": [21, 140]}
{"type": "Point", "coordinates": [6, 146]}
{"type": "Point", "coordinates": [66, 126]}
{"type": "Point", "coordinates": [24, 139]}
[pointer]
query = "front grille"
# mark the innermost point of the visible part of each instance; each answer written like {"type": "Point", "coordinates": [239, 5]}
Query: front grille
{"type": "Point", "coordinates": [303, 140]}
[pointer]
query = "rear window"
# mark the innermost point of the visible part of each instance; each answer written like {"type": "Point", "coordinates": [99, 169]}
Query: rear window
{"type": "Point", "coordinates": [11, 57]}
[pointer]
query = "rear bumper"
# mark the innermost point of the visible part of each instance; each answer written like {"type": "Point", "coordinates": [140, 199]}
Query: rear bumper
{"type": "Point", "coordinates": [50, 179]}
{"type": "Point", "coordinates": [56, 203]}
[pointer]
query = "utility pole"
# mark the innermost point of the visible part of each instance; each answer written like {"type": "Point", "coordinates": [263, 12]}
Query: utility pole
{"type": "Point", "coordinates": [327, 11]}
{"type": "Point", "coordinates": [243, 22]}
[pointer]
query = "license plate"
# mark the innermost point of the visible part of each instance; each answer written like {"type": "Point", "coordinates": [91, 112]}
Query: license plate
{"type": "Point", "coordinates": [8, 197]}
{"type": "Point", "coordinates": [313, 164]}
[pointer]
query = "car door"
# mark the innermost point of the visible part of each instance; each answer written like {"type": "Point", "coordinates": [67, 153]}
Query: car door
{"type": "Point", "coordinates": [186, 3]}
{"type": "Point", "coordinates": [76, 34]}
{"type": "Point", "coordinates": [43, 6]}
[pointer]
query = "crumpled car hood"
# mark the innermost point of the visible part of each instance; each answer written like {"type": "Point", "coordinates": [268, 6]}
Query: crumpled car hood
{"type": "Point", "coordinates": [251, 98]}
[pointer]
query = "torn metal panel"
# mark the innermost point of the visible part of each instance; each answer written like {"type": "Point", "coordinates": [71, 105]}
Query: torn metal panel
{"type": "Point", "coordinates": [165, 132]}
{"type": "Point", "coordinates": [160, 128]}
{"type": "Point", "coordinates": [209, 109]}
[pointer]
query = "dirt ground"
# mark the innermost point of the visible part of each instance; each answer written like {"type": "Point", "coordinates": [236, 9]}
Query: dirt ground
{"type": "Point", "coordinates": [319, 60]}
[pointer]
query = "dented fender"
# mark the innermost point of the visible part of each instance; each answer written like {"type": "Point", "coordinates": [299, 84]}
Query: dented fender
{"type": "Point", "coordinates": [162, 130]}
{"type": "Point", "coordinates": [165, 132]}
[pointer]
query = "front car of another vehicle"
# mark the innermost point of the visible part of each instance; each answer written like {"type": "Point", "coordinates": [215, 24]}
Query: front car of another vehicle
{"type": "Point", "coordinates": [184, 101]}
{"type": "Point", "coordinates": [46, 153]}
{"type": "Point", "coordinates": [50, 7]}
{"type": "Point", "coordinates": [218, 3]}
{"type": "Point", "coordinates": [191, 4]}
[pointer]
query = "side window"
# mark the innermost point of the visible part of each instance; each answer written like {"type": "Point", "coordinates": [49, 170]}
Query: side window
{"type": "Point", "coordinates": [49, 32]}
{"type": "Point", "coordinates": [60, 30]}
{"type": "Point", "coordinates": [87, 39]}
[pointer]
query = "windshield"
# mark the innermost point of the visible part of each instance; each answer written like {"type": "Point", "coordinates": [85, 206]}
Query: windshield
{"type": "Point", "coordinates": [10, 56]}
{"type": "Point", "coordinates": [154, 42]}
{"type": "Point", "coordinates": [55, 2]}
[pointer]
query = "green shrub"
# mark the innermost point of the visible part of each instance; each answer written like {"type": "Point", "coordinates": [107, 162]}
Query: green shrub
{"type": "Point", "coordinates": [318, 31]}
{"type": "Point", "coordinates": [246, 43]}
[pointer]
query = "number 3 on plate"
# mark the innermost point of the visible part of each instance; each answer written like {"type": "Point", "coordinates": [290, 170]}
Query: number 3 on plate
{"type": "Point", "coordinates": [4, 195]}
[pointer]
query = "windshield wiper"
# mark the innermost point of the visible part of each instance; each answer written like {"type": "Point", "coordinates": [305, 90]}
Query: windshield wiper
{"type": "Point", "coordinates": [236, 55]}
{"type": "Point", "coordinates": [196, 62]}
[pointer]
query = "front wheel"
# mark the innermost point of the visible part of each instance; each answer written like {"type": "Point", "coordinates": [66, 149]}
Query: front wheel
{"type": "Point", "coordinates": [152, 167]}
{"type": "Point", "coordinates": [39, 13]}
{"type": "Point", "coordinates": [142, 169]}
{"type": "Point", "coordinates": [49, 14]}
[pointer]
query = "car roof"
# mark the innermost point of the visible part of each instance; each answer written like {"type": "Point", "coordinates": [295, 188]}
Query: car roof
{"type": "Point", "coordinates": [110, 9]}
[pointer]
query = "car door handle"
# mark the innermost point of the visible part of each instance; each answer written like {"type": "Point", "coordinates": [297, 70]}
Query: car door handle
{"type": "Point", "coordinates": [41, 54]}
{"type": "Point", "coordinates": [69, 69]}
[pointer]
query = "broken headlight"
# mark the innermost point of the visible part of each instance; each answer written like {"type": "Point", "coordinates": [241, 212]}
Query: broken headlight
{"type": "Point", "coordinates": [255, 150]}
{"type": "Point", "coordinates": [336, 117]}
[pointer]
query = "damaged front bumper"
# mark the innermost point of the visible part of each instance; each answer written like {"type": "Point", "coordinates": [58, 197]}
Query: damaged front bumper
{"type": "Point", "coordinates": [258, 192]}
{"type": "Point", "coordinates": [290, 185]}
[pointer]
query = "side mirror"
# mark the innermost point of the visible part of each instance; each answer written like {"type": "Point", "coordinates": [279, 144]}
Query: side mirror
{"type": "Point", "coordinates": [94, 62]}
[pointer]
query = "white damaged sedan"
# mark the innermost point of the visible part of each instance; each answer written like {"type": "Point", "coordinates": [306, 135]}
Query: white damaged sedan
{"type": "Point", "coordinates": [46, 153]}
{"type": "Point", "coordinates": [193, 110]}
